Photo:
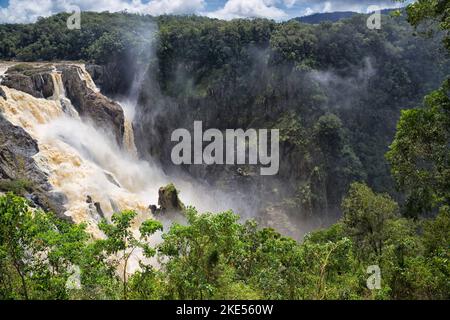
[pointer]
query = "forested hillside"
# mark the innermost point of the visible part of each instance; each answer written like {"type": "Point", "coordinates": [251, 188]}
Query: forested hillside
{"type": "Point", "coordinates": [334, 89]}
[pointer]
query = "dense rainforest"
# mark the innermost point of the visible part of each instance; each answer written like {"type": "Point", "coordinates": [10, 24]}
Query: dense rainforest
{"type": "Point", "coordinates": [362, 154]}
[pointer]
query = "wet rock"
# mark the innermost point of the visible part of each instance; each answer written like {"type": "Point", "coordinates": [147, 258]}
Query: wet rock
{"type": "Point", "coordinates": [95, 207]}
{"type": "Point", "coordinates": [114, 205]}
{"type": "Point", "coordinates": [111, 179]}
{"type": "Point", "coordinates": [3, 94]}
{"type": "Point", "coordinates": [113, 77]}
{"type": "Point", "coordinates": [17, 166]}
{"type": "Point", "coordinates": [104, 112]}
{"type": "Point", "coordinates": [16, 149]}
{"type": "Point", "coordinates": [37, 82]}
{"type": "Point", "coordinates": [153, 209]}
{"type": "Point", "coordinates": [169, 201]}
{"type": "Point", "coordinates": [32, 200]}
{"type": "Point", "coordinates": [99, 209]}
{"type": "Point", "coordinates": [242, 172]}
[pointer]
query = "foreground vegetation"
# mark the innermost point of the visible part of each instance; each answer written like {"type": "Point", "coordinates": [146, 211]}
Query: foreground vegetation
{"type": "Point", "coordinates": [214, 256]}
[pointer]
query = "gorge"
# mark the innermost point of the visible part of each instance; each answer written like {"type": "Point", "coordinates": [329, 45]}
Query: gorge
{"type": "Point", "coordinates": [90, 192]}
{"type": "Point", "coordinates": [85, 150]}
{"type": "Point", "coordinates": [336, 117]}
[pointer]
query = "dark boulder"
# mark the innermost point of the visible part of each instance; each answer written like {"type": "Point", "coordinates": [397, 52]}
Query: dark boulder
{"type": "Point", "coordinates": [99, 210]}
{"type": "Point", "coordinates": [95, 207]}
{"type": "Point", "coordinates": [153, 209]}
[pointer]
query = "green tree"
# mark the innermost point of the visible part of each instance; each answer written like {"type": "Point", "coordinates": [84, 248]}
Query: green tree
{"type": "Point", "coordinates": [121, 242]}
{"type": "Point", "coordinates": [420, 154]}
{"type": "Point", "coordinates": [365, 217]}
{"type": "Point", "coordinates": [434, 11]}
{"type": "Point", "coordinates": [37, 251]}
{"type": "Point", "coordinates": [197, 258]}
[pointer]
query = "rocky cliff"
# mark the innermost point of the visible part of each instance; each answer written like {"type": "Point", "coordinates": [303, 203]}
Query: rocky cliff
{"type": "Point", "coordinates": [39, 81]}
{"type": "Point", "coordinates": [17, 149]}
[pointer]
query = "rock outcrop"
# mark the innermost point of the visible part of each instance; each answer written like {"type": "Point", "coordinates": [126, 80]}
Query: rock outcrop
{"type": "Point", "coordinates": [115, 77]}
{"type": "Point", "coordinates": [36, 81]}
{"type": "Point", "coordinates": [168, 200]}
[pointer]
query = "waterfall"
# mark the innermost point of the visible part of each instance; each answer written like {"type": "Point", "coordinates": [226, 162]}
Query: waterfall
{"type": "Point", "coordinates": [58, 86]}
{"type": "Point", "coordinates": [81, 160]}
{"type": "Point", "coordinates": [84, 163]}
{"type": "Point", "coordinates": [85, 76]}
{"type": "Point", "coordinates": [59, 95]}
{"type": "Point", "coordinates": [128, 136]}
{"type": "Point", "coordinates": [3, 68]}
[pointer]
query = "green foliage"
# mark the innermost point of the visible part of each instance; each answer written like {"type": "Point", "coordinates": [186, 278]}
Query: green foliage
{"type": "Point", "coordinates": [260, 74]}
{"type": "Point", "coordinates": [256, 66]}
{"type": "Point", "coordinates": [200, 254]}
{"type": "Point", "coordinates": [213, 256]}
{"type": "Point", "coordinates": [365, 217]}
{"type": "Point", "coordinates": [36, 251]}
{"type": "Point", "coordinates": [420, 154]}
{"type": "Point", "coordinates": [423, 11]}
{"type": "Point", "coordinates": [19, 186]}
{"type": "Point", "coordinates": [329, 134]}
{"type": "Point", "coordinates": [121, 243]}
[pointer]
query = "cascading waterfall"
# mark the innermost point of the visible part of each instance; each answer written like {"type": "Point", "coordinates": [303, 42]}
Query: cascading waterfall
{"type": "Point", "coordinates": [59, 95]}
{"type": "Point", "coordinates": [128, 135]}
{"type": "Point", "coordinates": [82, 161]}
{"type": "Point", "coordinates": [85, 76]}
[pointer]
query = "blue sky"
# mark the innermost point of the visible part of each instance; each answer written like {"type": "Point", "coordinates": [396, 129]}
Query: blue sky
{"type": "Point", "coordinates": [19, 11]}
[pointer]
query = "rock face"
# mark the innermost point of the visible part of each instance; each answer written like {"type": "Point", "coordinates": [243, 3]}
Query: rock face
{"type": "Point", "coordinates": [104, 112]}
{"type": "Point", "coordinates": [16, 164]}
{"type": "Point", "coordinates": [17, 148]}
{"type": "Point", "coordinates": [37, 82]}
{"type": "Point", "coordinates": [115, 77]}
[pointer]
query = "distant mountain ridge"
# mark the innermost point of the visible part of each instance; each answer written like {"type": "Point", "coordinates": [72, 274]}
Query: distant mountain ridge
{"type": "Point", "coordinates": [327, 16]}
{"type": "Point", "coordinates": [332, 16]}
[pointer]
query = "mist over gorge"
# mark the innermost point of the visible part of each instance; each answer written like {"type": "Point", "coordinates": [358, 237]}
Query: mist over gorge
{"type": "Point", "coordinates": [324, 88]}
{"type": "Point", "coordinates": [100, 198]}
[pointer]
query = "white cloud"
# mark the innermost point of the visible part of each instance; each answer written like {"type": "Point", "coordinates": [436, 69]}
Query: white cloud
{"type": "Point", "coordinates": [308, 11]}
{"type": "Point", "coordinates": [249, 9]}
{"type": "Point", "coordinates": [157, 7]}
{"type": "Point", "coordinates": [290, 3]}
{"type": "Point", "coordinates": [21, 11]}
{"type": "Point", "coordinates": [316, 6]}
